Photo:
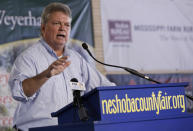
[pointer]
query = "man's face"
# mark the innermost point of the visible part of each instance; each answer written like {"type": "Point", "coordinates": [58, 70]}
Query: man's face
{"type": "Point", "coordinates": [56, 31]}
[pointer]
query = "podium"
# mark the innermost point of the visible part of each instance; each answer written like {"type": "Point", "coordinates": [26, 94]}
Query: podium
{"type": "Point", "coordinates": [160, 107]}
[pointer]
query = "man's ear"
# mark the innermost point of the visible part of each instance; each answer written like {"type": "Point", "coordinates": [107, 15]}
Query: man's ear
{"type": "Point", "coordinates": [42, 29]}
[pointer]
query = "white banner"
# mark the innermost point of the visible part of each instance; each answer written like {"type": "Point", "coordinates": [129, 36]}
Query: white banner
{"type": "Point", "coordinates": [148, 35]}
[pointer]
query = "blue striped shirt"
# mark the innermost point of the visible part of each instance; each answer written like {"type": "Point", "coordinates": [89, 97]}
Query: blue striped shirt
{"type": "Point", "coordinates": [35, 111]}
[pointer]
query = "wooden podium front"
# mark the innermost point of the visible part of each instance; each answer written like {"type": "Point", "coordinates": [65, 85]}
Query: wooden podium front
{"type": "Point", "coordinates": [160, 107]}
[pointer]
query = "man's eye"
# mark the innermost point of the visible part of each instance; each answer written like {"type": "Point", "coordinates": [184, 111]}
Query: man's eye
{"type": "Point", "coordinates": [68, 25]}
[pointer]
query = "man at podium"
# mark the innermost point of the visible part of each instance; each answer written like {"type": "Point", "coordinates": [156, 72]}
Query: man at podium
{"type": "Point", "coordinates": [40, 77]}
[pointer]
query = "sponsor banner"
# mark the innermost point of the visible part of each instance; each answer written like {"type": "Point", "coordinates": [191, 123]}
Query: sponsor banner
{"type": "Point", "coordinates": [126, 79]}
{"type": "Point", "coordinates": [145, 102]}
{"type": "Point", "coordinates": [21, 19]}
{"type": "Point", "coordinates": [20, 28]}
{"type": "Point", "coordinates": [150, 36]}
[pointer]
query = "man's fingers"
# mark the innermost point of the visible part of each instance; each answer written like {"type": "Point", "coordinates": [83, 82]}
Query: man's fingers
{"type": "Point", "coordinates": [58, 66]}
{"type": "Point", "coordinates": [62, 60]}
{"type": "Point", "coordinates": [66, 64]}
{"type": "Point", "coordinates": [64, 57]}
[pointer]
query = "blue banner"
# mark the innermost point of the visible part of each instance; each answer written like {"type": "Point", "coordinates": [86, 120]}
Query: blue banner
{"type": "Point", "coordinates": [127, 79]}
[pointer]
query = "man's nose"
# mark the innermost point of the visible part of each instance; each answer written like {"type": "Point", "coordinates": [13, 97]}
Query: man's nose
{"type": "Point", "coordinates": [63, 27]}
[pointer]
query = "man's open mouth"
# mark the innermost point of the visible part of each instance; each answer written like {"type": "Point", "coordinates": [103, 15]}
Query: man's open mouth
{"type": "Point", "coordinates": [61, 35]}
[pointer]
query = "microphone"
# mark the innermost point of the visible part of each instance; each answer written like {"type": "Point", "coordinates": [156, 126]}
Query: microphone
{"type": "Point", "coordinates": [132, 71]}
{"type": "Point", "coordinates": [77, 87]}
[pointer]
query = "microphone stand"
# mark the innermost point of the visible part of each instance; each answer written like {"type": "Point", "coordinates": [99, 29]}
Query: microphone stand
{"type": "Point", "coordinates": [78, 103]}
{"type": "Point", "coordinates": [132, 71]}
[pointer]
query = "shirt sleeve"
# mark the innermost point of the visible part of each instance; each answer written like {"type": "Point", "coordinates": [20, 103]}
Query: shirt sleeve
{"type": "Point", "coordinates": [93, 78]}
{"type": "Point", "coordinates": [23, 68]}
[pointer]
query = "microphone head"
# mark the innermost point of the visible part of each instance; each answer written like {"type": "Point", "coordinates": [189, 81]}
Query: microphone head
{"type": "Point", "coordinates": [84, 45]}
{"type": "Point", "coordinates": [73, 80]}
{"type": "Point", "coordinates": [75, 85]}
